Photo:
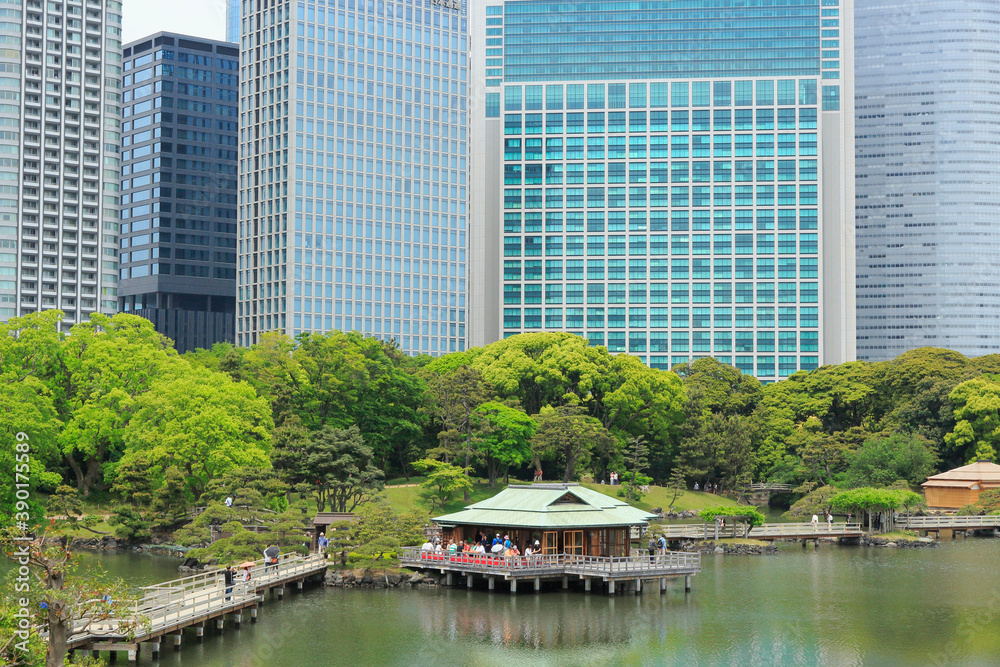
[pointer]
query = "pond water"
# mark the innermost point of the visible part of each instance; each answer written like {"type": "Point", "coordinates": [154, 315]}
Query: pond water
{"type": "Point", "coordinates": [835, 605]}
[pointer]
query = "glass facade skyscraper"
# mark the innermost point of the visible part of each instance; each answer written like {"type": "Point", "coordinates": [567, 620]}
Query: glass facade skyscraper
{"type": "Point", "coordinates": [178, 222]}
{"type": "Point", "coordinates": [60, 97]}
{"type": "Point", "coordinates": [352, 211]}
{"type": "Point", "coordinates": [233, 20]}
{"type": "Point", "coordinates": [674, 180]}
{"type": "Point", "coordinates": [928, 169]}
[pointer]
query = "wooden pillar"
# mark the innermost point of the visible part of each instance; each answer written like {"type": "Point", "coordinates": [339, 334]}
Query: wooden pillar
{"type": "Point", "coordinates": [154, 648]}
{"type": "Point", "coordinates": [663, 584]}
{"type": "Point", "coordinates": [253, 614]}
{"type": "Point", "coordinates": [492, 582]}
{"type": "Point", "coordinates": [586, 584]}
{"type": "Point", "coordinates": [448, 579]}
{"type": "Point", "coordinates": [281, 593]}
{"type": "Point", "coordinates": [133, 654]}
{"type": "Point", "coordinates": [538, 584]}
{"type": "Point", "coordinates": [112, 656]}
{"type": "Point", "coordinates": [298, 585]}
{"type": "Point", "coordinates": [468, 581]}
{"type": "Point", "coordinates": [513, 586]}
{"type": "Point", "coordinates": [199, 631]}
{"type": "Point", "coordinates": [687, 583]}
{"type": "Point", "coordinates": [565, 582]}
{"type": "Point", "coordinates": [177, 640]}
{"type": "Point", "coordinates": [611, 587]}
{"type": "Point", "coordinates": [638, 586]}
{"type": "Point", "coordinates": [238, 619]}
{"type": "Point", "coordinates": [220, 623]}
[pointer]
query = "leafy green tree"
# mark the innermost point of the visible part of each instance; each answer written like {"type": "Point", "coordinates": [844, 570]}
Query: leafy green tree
{"type": "Point", "coordinates": [976, 434]}
{"type": "Point", "coordinates": [62, 598]}
{"type": "Point", "coordinates": [567, 435]}
{"type": "Point", "coordinates": [107, 364]}
{"type": "Point", "coordinates": [883, 460]}
{"type": "Point", "coordinates": [380, 530]}
{"type": "Point", "coordinates": [344, 469]}
{"type": "Point", "coordinates": [637, 460]}
{"type": "Point", "coordinates": [504, 436]}
{"type": "Point", "coordinates": [203, 423]}
{"type": "Point", "coordinates": [456, 396]}
{"type": "Point", "coordinates": [815, 500]}
{"type": "Point", "coordinates": [872, 501]}
{"type": "Point", "coordinates": [677, 485]}
{"type": "Point", "coordinates": [442, 481]}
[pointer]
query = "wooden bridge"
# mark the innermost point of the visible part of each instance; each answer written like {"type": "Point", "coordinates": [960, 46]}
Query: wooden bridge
{"type": "Point", "coordinates": [536, 568]}
{"type": "Point", "coordinates": [948, 522]}
{"type": "Point", "coordinates": [165, 610]}
{"type": "Point", "coordinates": [766, 487]}
{"type": "Point", "coordinates": [768, 531]}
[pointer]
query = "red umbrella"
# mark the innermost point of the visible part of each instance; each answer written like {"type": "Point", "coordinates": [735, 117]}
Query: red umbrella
{"type": "Point", "coordinates": [249, 563]}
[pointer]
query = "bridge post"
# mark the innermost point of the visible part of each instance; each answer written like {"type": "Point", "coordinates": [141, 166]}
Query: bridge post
{"type": "Point", "coordinates": [538, 584]}
{"type": "Point", "coordinates": [253, 614]}
{"type": "Point", "coordinates": [513, 586]}
{"type": "Point", "coordinates": [281, 593]}
{"type": "Point", "coordinates": [238, 619]}
{"type": "Point", "coordinates": [492, 582]}
{"type": "Point", "coordinates": [565, 582]}
{"type": "Point", "coordinates": [586, 584]}
{"type": "Point", "coordinates": [468, 581]}
{"type": "Point", "coordinates": [84, 652]}
{"type": "Point", "coordinates": [638, 586]}
{"type": "Point", "coordinates": [298, 585]}
{"type": "Point", "coordinates": [133, 654]}
{"type": "Point", "coordinates": [448, 579]}
{"type": "Point", "coordinates": [220, 623]}
{"type": "Point", "coordinates": [611, 587]}
{"type": "Point", "coordinates": [112, 656]}
{"type": "Point", "coordinates": [154, 649]}
{"type": "Point", "coordinates": [199, 631]}
{"type": "Point", "coordinates": [687, 583]}
{"type": "Point", "coordinates": [663, 585]}
{"type": "Point", "coordinates": [177, 640]}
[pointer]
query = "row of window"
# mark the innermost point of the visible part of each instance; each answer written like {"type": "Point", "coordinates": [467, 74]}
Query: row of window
{"type": "Point", "coordinates": [639, 293]}
{"type": "Point", "coordinates": [656, 197]}
{"type": "Point", "coordinates": [188, 270]}
{"type": "Point", "coordinates": [597, 122]}
{"type": "Point", "coordinates": [675, 244]}
{"type": "Point", "coordinates": [661, 221]}
{"type": "Point", "coordinates": [662, 269]}
{"type": "Point", "coordinates": [663, 172]}
{"type": "Point", "coordinates": [788, 317]}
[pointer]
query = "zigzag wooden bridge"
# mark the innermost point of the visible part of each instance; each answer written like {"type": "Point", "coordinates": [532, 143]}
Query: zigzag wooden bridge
{"type": "Point", "coordinates": [768, 531]}
{"type": "Point", "coordinates": [191, 602]}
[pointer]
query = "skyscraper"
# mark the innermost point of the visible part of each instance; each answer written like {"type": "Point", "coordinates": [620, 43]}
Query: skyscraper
{"type": "Point", "coordinates": [674, 180]}
{"type": "Point", "coordinates": [178, 223]}
{"type": "Point", "coordinates": [352, 211]}
{"type": "Point", "coordinates": [233, 21]}
{"type": "Point", "coordinates": [928, 170]}
{"type": "Point", "coordinates": [60, 80]}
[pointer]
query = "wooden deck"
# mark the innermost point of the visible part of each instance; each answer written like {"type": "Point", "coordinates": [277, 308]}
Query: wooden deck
{"type": "Point", "coordinates": [557, 566]}
{"type": "Point", "coordinates": [168, 608]}
{"type": "Point", "coordinates": [769, 531]}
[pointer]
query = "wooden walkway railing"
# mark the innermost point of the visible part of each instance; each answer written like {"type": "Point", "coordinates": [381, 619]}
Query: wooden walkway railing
{"type": "Point", "coordinates": [948, 521]}
{"type": "Point", "coordinates": [666, 564]}
{"type": "Point", "coordinates": [764, 486]}
{"type": "Point", "coordinates": [185, 601]}
{"type": "Point", "coordinates": [706, 531]}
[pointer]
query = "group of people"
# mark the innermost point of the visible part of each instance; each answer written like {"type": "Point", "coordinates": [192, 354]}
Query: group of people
{"type": "Point", "coordinates": [482, 544]}
{"type": "Point", "coordinates": [657, 546]}
{"type": "Point", "coordinates": [710, 487]}
{"type": "Point", "coordinates": [829, 521]}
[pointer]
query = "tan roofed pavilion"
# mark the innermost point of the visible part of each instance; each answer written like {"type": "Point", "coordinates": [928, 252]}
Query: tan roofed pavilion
{"type": "Point", "coordinates": [961, 486]}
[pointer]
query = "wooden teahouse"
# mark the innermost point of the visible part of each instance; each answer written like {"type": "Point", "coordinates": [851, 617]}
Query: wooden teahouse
{"type": "Point", "coordinates": [961, 486]}
{"type": "Point", "coordinates": [563, 518]}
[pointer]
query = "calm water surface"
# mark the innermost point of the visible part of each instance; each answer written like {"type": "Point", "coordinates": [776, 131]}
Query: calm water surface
{"type": "Point", "coordinates": [827, 606]}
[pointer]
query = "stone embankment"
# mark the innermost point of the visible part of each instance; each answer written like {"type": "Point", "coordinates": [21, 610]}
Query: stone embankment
{"type": "Point", "coordinates": [109, 543]}
{"type": "Point", "coordinates": [366, 578]}
{"type": "Point", "coordinates": [918, 543]}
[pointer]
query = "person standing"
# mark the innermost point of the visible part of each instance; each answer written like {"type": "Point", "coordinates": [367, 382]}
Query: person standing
{"type": "Point", "coordinates": [661, 546]}
{"type": "Point", "coordinates": [815, 522]}
{"type": "Point", "coordinates": [652, 548]}
{"type": "Point", "coordinates": [228, 575]}
{"type": "Point", "coordinates": [229, 501]}
{"type": "Point", "coordinates": [323, 543]}
{"type": "Point", "coordinates": [829, 521]}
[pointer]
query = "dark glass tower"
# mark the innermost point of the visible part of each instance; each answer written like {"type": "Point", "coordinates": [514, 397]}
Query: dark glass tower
{"type": "Point", "coordinates": [179, 164]}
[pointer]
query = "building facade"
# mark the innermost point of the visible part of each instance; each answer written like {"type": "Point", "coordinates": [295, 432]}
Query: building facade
{"type": "Point", "coordinates": [928, 176]}
{"type": "Point", "coordinates": [60, 97]}
{"type": "Point", "coordinates": [233, 9]}
{"type": "Point", "coordinates": [352, 212]}
{"type": "Point", "coordinates": [674, 181]}
{"type": "Point", "coordinates": [178, 184]}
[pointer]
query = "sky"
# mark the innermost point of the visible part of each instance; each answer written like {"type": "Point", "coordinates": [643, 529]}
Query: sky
{"type": "Point", "coordinates": [199, 18]}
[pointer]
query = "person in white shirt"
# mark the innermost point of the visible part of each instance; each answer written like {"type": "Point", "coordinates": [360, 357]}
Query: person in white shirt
{"type": "Point", "coordinates": [815, 521]}
{"type": "Point", "coordinates": [829, 521]}
{"type": "Point", "coordinates": [427, 546]}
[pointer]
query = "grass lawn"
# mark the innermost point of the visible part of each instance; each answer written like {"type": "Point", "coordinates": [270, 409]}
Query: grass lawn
{"type": "Point", "coordinates": [660, 496]}
{"type": "Point", "coordinates": [407, 498]}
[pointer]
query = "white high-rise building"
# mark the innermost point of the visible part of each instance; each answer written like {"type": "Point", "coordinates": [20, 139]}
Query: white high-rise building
{"type": "Point", "coordinates": [60, 131]}
{"type": "Point", "coordinates": [928, 170]}
{"type": "Point", "coordinates": [352, 208]}
{"type": "Point", "coordinates": [669, 179]}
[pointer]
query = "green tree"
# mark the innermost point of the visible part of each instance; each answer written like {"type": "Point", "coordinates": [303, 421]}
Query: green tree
{"type": "Point", "coordinates": [203, 423]}
{"type": "Point", "coordinates": [456, 396]}
{"type": "Point", "coordinates": [677, 485]}
{"type": "Point", "coordinates": [976, 434]}
{"type": "Point", "coordinates": [504, 436]}
{"type": "Point", "coordinates": [872, 501]}
{"type": "Point", "coordinates": [442, 481]}
{"type": "Point", "coordinates": [567, 435]}
{"type": "Point", "coordinates": [380, 530]}
{"type": "Point", "coordinates": [883, 460]}
{"type": "Point", "coordinates": [344, 469]}
{"type": "Point", "coordinates": [637, 460]}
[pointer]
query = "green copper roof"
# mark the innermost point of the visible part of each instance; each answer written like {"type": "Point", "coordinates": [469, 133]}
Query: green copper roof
{"type": "Point", "coordinates": [559, 506]}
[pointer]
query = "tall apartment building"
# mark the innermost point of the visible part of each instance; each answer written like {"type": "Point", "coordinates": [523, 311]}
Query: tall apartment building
{"type": "Point", "coordinates": [928, 176]}
{"type": "Point", "coordinates": [60, 80]}
{"type": "Point", "coordinates": [353, 170]}
{"type": "Point", "coordinates": [674, 180]}
{"type": "Point", "coordinates": [178, 183]}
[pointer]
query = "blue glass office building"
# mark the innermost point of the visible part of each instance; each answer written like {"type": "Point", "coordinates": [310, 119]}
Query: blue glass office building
{"type": "Point", "coordinates": [353, 170]}
{"type": "Point", "coordinates": [673, 179]}
{"type": "Point", "coordinates": [177, 266]}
